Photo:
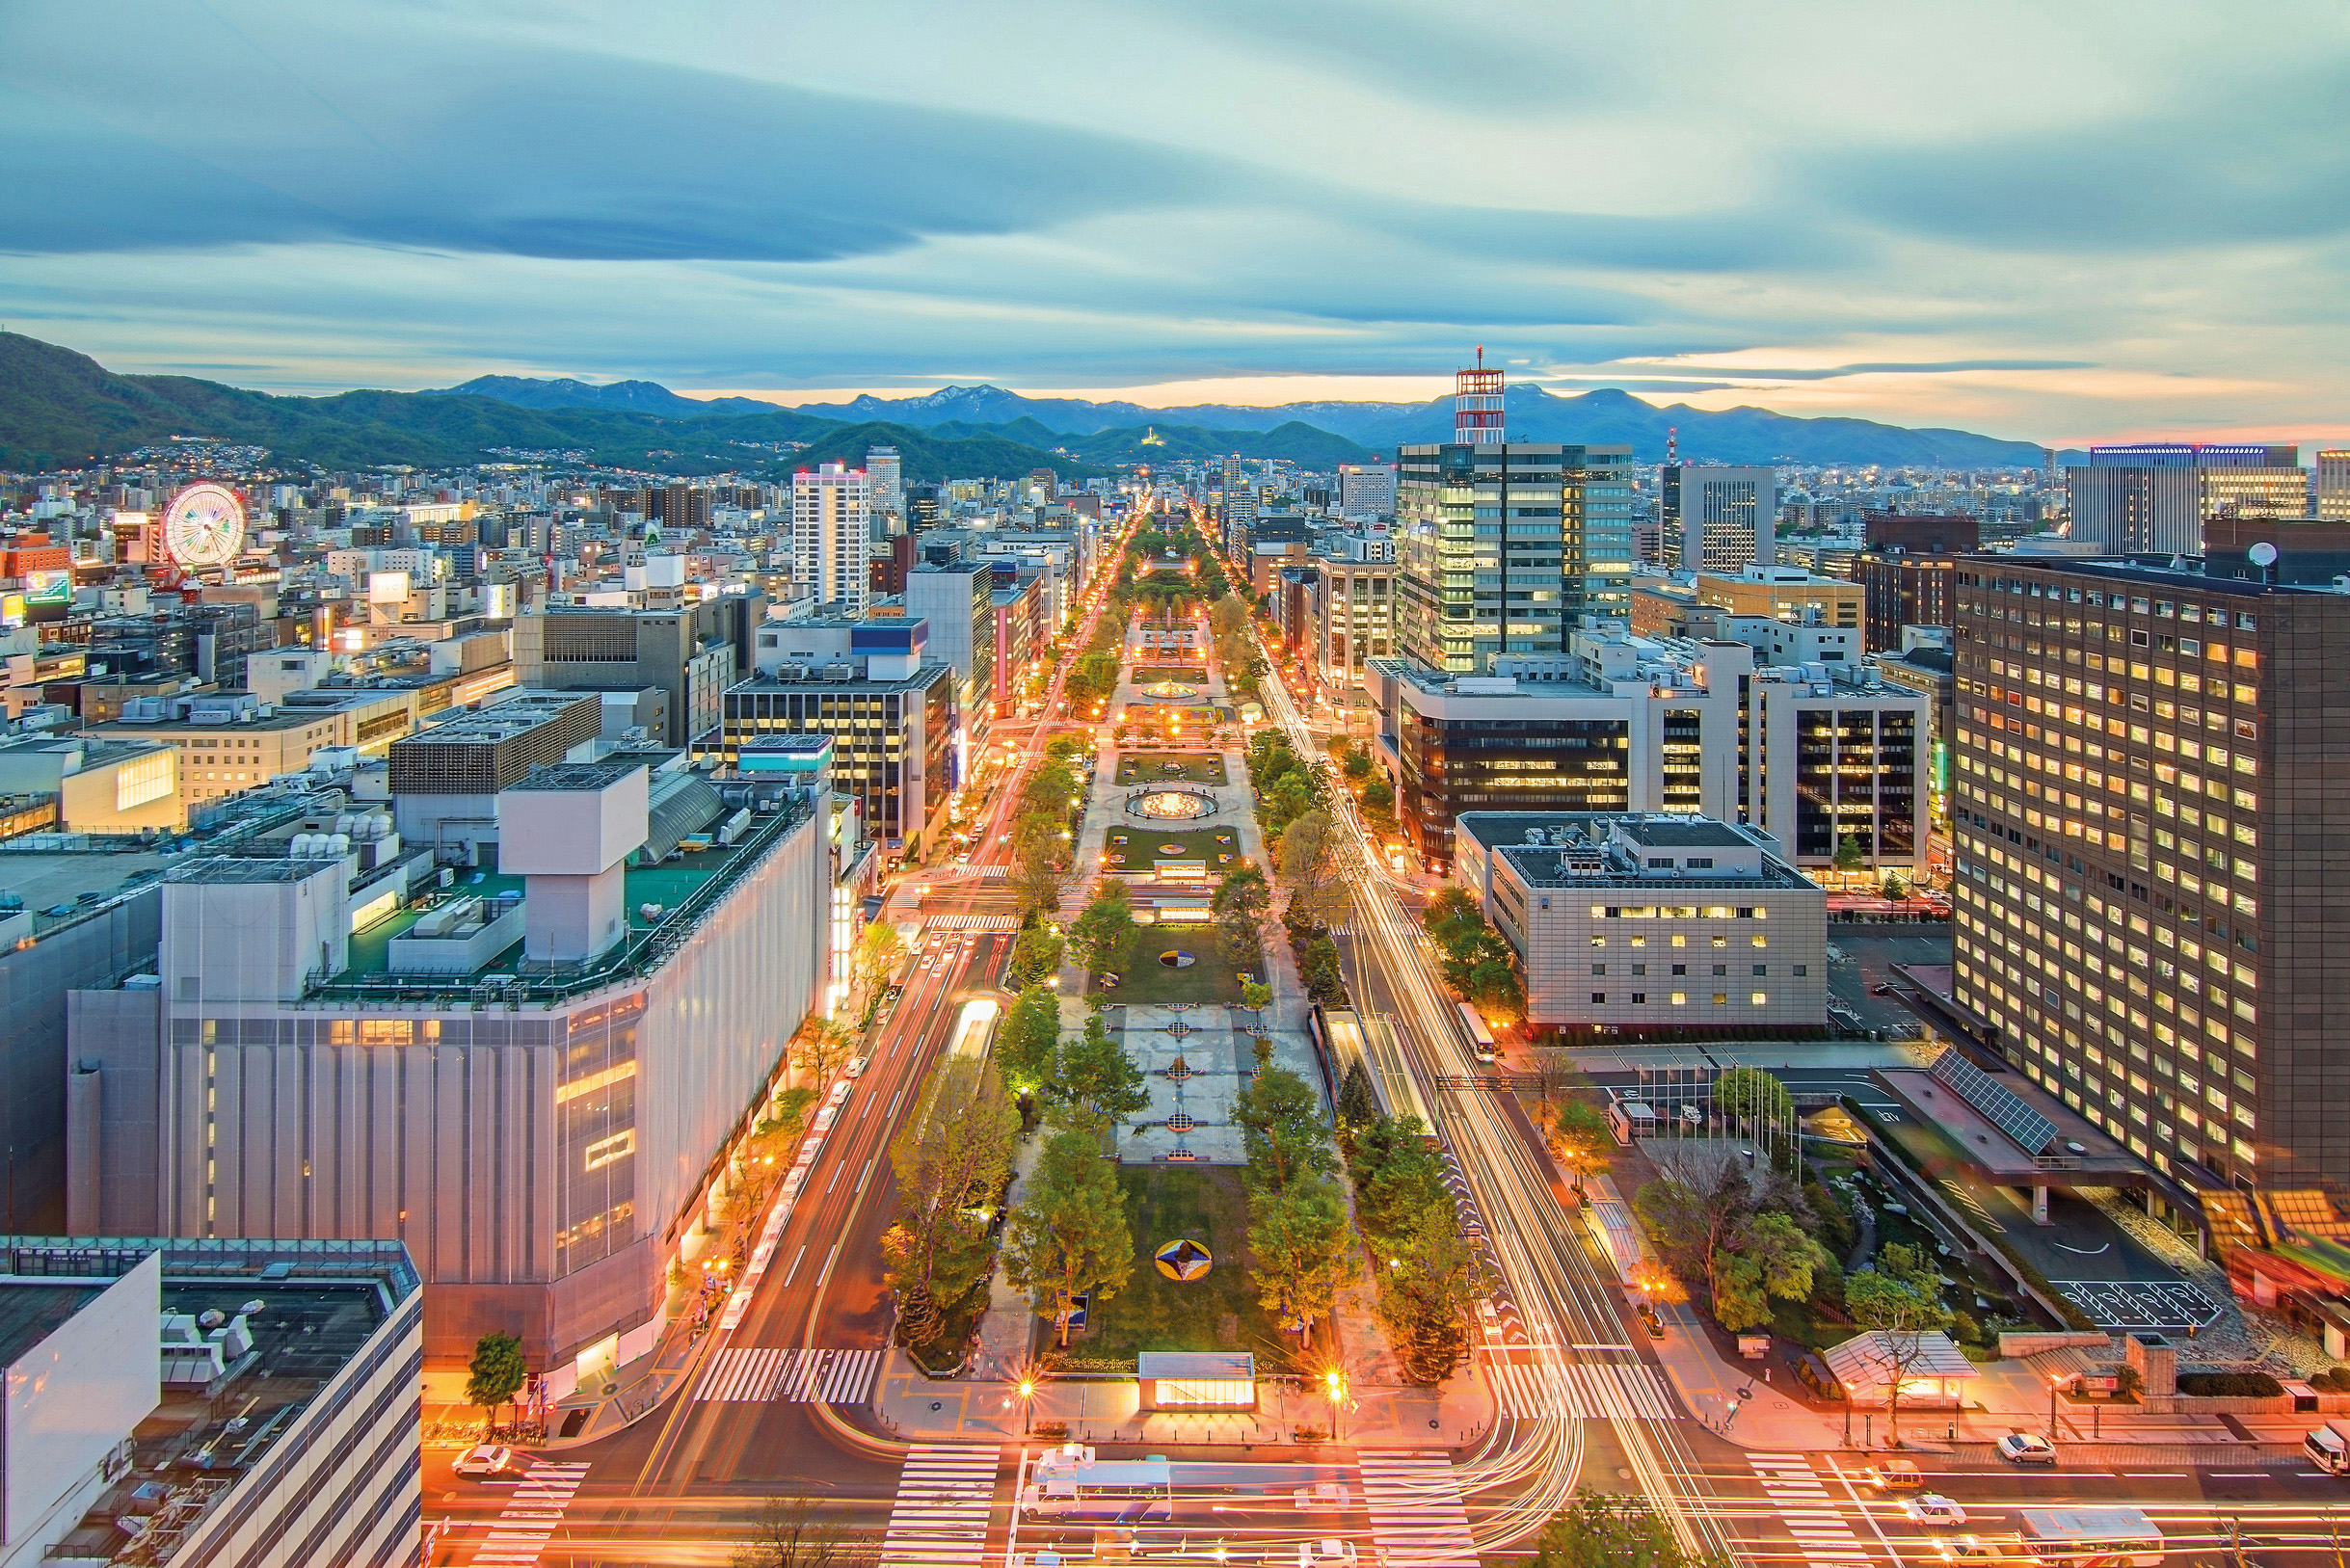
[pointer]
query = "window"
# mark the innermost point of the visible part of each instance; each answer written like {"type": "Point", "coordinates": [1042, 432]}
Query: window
{"type": "Point", "coordinates": [1762, 969]}
{"type": "Point", "coordinates": [1760, 998]}
{"type": "Point", "coordinates": [1600, 999]}
{"type": "Point", "coordinates": [149, 779]}
{"type": "Point", "coordinates": [1680, 969]}
{"type": "Point", "coordinates": [1680, 998]}
{"type": "Point", "coordinates": [1600, 968]}
{"type": "Point", "coordinates": [1640, 968]}
{"type": "Point", "coordinates": [1721, 998]}
{"type": "Point", "coordinates": [1801, 970]}
{"type": "Point", "coordinates": [385, 1031]}
{"type": "Point", "coordinates": [1639, 998]}
{"type": "Point", "coordinates": [1722, 969]}
{"type": "Point", "coordinates": [610, 1150]}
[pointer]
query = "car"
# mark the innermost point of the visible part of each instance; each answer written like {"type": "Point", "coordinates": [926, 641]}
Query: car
{"type": "Point", "coordinates": [1989, 1552]}
{"type": "Point", "coordinates": [55, 909]}
{"type": "Point", "coordinates": [1933, 1508]}
{"type": "Point", "coordinates": [1896, 1475]}
{"type": "Point", "coordinates": [2027, 1449]}
{"type": "Point", "coordinates": [855, 1068]}
{"type": "Point", "coordinates": [484, 1459]}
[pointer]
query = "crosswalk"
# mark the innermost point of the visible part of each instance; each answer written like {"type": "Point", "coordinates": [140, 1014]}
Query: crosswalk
{"type": "Point", "coordinates": [1418, 1516]}
{"type": "Point", "coordinates": [803, 1377]}
{"type": "Point", "coordinates": [1801, 1499]}
{"type": "Point", "coordinates": [518, 1537]}
{"type": "Point", "coordinates": [959, 872]}
{"type": "Point", "coordinates": [944, 1497]}
{"type": "Point", "coordinates": [1587, 1391]}
{"type": "Point", "coordinates": [972, 922]}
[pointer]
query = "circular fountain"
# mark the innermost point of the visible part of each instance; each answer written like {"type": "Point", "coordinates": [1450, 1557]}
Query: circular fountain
{"type": "Point", "coordinates": [1172, 804]}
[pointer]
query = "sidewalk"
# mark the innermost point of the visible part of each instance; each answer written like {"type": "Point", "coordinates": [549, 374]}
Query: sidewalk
{"type": "Point", "coordinates": [1107, 1410]}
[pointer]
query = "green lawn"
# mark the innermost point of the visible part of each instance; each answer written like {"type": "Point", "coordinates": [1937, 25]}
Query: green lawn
{"type": "Point", "coordinates": [1206, 1203]}
{"type": "Point", "coordinates": [1190, 675]}
{"type": "Point", "coordinates": [1213, 979]}
{"type": "Point", "coordinates": [1133, 849]}
{"type": "Point", "coordinates": [1151, 767]}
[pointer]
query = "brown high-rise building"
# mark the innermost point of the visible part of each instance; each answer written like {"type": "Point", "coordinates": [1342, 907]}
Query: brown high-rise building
{"type": "Point", "coordinates": [2149, 824]}
{"type": "Point", "coordinates": [1904, 590]}
{"type": "Point", "coordinates": [1921, 533]}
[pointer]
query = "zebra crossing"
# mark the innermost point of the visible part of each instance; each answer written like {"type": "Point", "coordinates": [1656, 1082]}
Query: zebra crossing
{"type": "Point", "coordinates": [957, 873]}
{"type": "Point", "coordinates": [802, 1377]}
{"type": "Point", "coordinates": [972, 922]}
{"type": "Point", "coordinates": [533, 1512]}
{"type": "Point", "coordinates": [944, 1497]}
{"type": "Point", "coordinates": [1587, 1391]}
{"type": "Point", "coordinates": [1801, 1501]}
{"type": "Point", "coordinates": [1418, 1516]}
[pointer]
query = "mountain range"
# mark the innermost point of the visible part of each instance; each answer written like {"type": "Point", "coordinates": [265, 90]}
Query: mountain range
{"type": "Point", "coordinates": [59, 409]}
{"type": "Point", "coordinates": [1319, 434]}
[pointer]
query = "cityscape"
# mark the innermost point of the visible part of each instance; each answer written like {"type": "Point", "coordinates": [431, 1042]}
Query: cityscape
{"type": "Point", "coordinates": [1114, 795]}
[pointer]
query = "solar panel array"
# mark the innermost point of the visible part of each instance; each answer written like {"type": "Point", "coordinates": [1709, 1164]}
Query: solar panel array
{"type": "Point", "coordinates": [1999, 1107]}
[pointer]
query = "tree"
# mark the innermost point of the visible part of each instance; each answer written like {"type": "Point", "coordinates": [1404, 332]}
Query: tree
{"type": "Point", "coordinates": [1355, 761]}
{"type": "Point", "coordinates": [1036, 956]}
{"type": "Point", "coordinates": [496, 1372]}
{"type": "Point", "coordinates": [1740, 1300]}
{"type": "Point", "coordinates": [1784, 1255]}
{"type": "Point", "coordinates": [1754, 1097]}
{"type": "Point", "coordinates": [1850, 856]}
{"type": "Point", "coordinates": [1303, 1251]}
{"type": "Point", "coordinates": [1492, 985]}
{"type": "Point", "coordinates": [1900, 1296]}
{"type": "Point", "coordinates": [1600, 1529]}
{"type": "Point", "coordinates": [1040, 862]}
{"type": "Point", "coordinates": [1307, 857]}
{"type": "Point", "coordinates": [1068, 1236]}
{"type": "Point", "coordinates": [1358, 1104]}
{"type": "Point", "coordinates": [1325, 980]}
{"type": "Point", "coordinates": [1282, 1127]}
{"type": "Point", "coordinates": [880, 950]}
{"type": "Point", "coordinates": [1580, 1132]}
{"type": "Point", "coordinates": [1104, 931]}
{"type": "Point", "coordinates": [1030, 1037]}
{"type": "Point", "coordinates": [1423, 1297]}
{"type": "Point", "coordinates": [1256, 997]}
{"type": "Point", "coordinates": [1451, 908]}
{"type": "Point", "coordinates": [1243, 903]}
{"type": "Point", "coordinates": [1379, 797]}
{"type": "Point", "coordinates": [792, 1533]}
{"type": "Point", "coordinates": [1095, 1076]}
{"type": "Point", "coordinates": [1398, 1176]}
{"type": "Point", "coordinates": [823, 1046]}
{"type": "Point", "coordinates": [952, 1155]}
{"type": "Point", "coordinates": [1893, 889]}
{"type": "Point", "coordinates": [1693, 1226]}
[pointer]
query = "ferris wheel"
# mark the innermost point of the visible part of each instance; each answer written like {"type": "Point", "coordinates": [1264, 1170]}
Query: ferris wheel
{"type": "Point", "coordinates": [203, 526]}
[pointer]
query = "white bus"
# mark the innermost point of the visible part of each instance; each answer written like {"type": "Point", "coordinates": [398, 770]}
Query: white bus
{"type": "Point", "coordinates": [1068, 1482]}
{"type": "Point", "coordinates": [974, 1028]}
{"type": "Point", "coordinates": [1480, 1036]}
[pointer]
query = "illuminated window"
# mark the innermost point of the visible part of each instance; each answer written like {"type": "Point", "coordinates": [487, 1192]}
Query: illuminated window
{"type": "Point", "coordinates": [606, 1150]}
{"type": "Point", "coordinates": [386, 1031]}
{"type": "Point", "coordinates": [1759, 997]}
{"type": "Point", "coordinates": [149, 779]}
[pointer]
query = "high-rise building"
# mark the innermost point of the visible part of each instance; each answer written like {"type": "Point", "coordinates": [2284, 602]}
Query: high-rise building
{"type": "Point", "coordinates": [2154, 497]}
{"type": "Point", "coordinates": [885, 487]}
{"type": "Point", "coordinates": [2331, 487]}
{"type": "Point", "coordinates": [2145, 803]}
{"type": "Point", "coordinates": [1905, 590]}
{"type": "Point", "coordinates": [1240, 504]}
{"type": "Point", "coordinates": [1719, 520]}
{"type": "Point", "coordinates": [1494, 550]}
{"type": "Point", "coordinates": [1367, 489]}
{"type": "Point", "coordinates": [830, 507]}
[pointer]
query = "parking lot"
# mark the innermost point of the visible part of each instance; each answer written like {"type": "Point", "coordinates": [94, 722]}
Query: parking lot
{"type": "Point", "coordinates": [1860, 959]}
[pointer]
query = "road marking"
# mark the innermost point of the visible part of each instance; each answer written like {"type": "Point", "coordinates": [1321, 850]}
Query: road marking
{"type": "Point", "coordinates": [1601, 1391]}
{"type": "Point", "coordinates": [895, 1098]}
{"type": "Point", "coordinates": [865, 1176]}
{"type": "Point", "coordinates": [795, 1265]}
{"type": "Point", "coordinates": [791, 1377]}
{"type": "Point", "coordinates": [520, 1545]}
{"type": "Point", "coordinates": [830, 1259]}
{"type": "Point", "coordinates": [1799, 1494]}
{"type": "Point", "coordinates": [1418, 1516]}
{"type": "Point", "coordinates": [940, 1517]}
{"type": "Point", "coordinates": [835, 1180]}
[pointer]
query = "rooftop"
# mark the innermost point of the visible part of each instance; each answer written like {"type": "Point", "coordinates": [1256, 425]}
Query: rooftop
{"type": "Point", "coordinates": [2122, 570]}
{"type": "Point", "coordinates": [30, 1314]}
{"type": "Point", "coordinates": [574, 778]}
{"type": "Point", "coordinates": [1547, 867]}
{"type": "Point", "coordinates": [1685, 835]}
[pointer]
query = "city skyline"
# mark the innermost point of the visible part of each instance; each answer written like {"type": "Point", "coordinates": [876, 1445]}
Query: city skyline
{"type": "Point", "coordinates": [2060, 253]}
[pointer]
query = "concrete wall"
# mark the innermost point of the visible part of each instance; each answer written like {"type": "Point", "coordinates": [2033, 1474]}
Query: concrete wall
{"type": "Point", "coordinates": [72, 1398]}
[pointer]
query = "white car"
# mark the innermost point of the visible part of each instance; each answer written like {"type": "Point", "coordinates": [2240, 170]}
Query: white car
{"type": "Point", "coordinates": [2027, 1449]}
{"type": "Point", "coordinates": [1933, 1508]}
{"type": "Point", "coordinates": [856, 1066]}
{"type": "Point", "coordinates": [484, 1460]}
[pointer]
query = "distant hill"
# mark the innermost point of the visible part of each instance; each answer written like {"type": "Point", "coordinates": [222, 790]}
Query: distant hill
{"type": "Point", "coordinates": [622, 396]}
{"type": "Point", "coordinates": [1743, 434]}
{"type": "Point", "coordinates": [1298, 443]}
{"type": "Point", "coordinates": [59, 409]}
{"type": "Point", "coordinates": [928, 457]}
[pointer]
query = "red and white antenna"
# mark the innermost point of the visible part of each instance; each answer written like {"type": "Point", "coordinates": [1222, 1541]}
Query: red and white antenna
{"type": "Point", "coordinates": [1672, 444]}
{"type": "Point", "coordinates": [1477, 405]}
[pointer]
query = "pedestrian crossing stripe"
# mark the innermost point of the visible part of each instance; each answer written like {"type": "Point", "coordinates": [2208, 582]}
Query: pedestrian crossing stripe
{"type": "Point", "coordinates": [972, 922]}
{"type": "Point", "coordinates": [1808, 1513]}
{"type": "Point", "coordinates": [1418, 1516]}
{"type": "Point", "coordinates": [1585, 1390]}
{"type": "Point", "coordinates": [945, 1495]}
{"type": "Point", "coordinates": [791, 1377]}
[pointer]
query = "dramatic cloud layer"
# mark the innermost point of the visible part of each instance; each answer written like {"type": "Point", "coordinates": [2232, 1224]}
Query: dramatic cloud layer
{"type": "Point", "coordinates": [2055, 223]}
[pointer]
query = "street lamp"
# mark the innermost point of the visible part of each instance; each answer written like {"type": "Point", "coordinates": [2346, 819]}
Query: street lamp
{"type": "Point", "coordinates": [1336, 1387]}
{"type": "Point", "coordinates": [1027, 1406]}
{"type": "Point", "coordinates": [2054, 1383]}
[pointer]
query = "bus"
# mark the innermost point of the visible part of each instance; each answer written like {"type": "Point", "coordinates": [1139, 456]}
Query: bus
{"type": "Point", "coordinates": [1068, 1482]}
{"type": "Point", "coordinates": [1480, 1035]}
{"type": "Point", "coordinates": [975, 1028]}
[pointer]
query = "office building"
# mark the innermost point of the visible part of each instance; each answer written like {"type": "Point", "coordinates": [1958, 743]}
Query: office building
{"type": "Point", "coordinates": [1787, 594]}
{"type": "Point", "coordinates": [1502, 546]}
{"type": "Point", "coordinates": [2155, 497]}
{"type": "Point", "coordinates": [1923, 664]}
{"type": "Point", "coordinates": [692, 652]}
{"type": "Point", "coordinates": [1351, 617]}
{"type": "Point", "coordinates": [1638, 923]}
{"type": "Point", "coordinates": [1367, 489]}
{"type": "Point", "coordinates": [445, 778]}
{"type": "Point", "coordinates": [956, 600]}
{"type": "Point", "coordinates": [1921, 533]}
{"type": "Point", "coordinates": [1900, 590]}
{"type": "Point", "coordinates": [831, 535]}
{"type": "Point", "coordinates": [1718, 519]}
{"type": "Point", "coordinates": [2330, 487]}
{"type": "Point", "coordinates": [1238, 505]}
{"type": "Point", "coordinates": [560, 1042]}
{"type": "Point", "coordinates": [875, 689]}
{"type": "Point", "coordinates": [229, 742]}
{"type": "Point", "coordinates": [110, 788]}
{"type": "Point", "coordinates": [1727, 727]}
{"type": "Point", "coordinates": [2146, 807]}
{"type": "Point", "coordinates": [885, 489]}
{"type": "Point", "coordinates": [232, 1404]}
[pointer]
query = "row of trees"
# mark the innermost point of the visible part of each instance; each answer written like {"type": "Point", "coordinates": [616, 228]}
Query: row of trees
{"type": "Point", "coordinates": [1424, 1268]}
{"type": "Point", "coordinates": [1298, 1232]}
{"type": "Point", "coordinates": [1474, 959]}
{"type": "Point", "coordinates": [1044, 826]}
{"type": "Point", "coordinates": [1236, 646]}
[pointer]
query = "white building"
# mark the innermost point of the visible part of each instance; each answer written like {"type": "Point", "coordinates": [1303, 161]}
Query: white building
{"type": "Point", "coordinates": [1719, 520]}
{"type": "Point", "coordinates": [886, 487]}
{"type": "Point", "coordinates": [831, 510]}
{"type": "Point", "coordinates": [1646, 922]}
{"type": "Point", "coordinates": [1367, 489]}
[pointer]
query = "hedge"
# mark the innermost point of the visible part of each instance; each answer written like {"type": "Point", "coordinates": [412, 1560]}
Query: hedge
{"type": "Point", "coordinates": [2229, 1385]}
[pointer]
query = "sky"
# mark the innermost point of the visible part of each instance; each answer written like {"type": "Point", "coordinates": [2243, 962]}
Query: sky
{"type": "Point", "coordinates": [2049, 220]}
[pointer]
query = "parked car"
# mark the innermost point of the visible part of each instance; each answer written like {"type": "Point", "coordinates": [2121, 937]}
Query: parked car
{"type": "Point", "coordinates": [2027, 1449]}
{"type": "Point", "coordinates": [483, 1460]}
{"type": "Point", "coordinates": [1933, 1508]}
{"type": "Point", "coordinates": [855, 1068]}
{"type": "Point", "coordinates": [1896, 1475]}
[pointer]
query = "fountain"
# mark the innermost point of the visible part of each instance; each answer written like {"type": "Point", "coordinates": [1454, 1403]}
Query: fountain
{"type": "Point", "coordinates": [1172, 804]}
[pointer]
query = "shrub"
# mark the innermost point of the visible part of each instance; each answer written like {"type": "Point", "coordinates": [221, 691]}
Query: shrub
{"type": "Point", "coordinates": [2332, 1380]}
{"type": "Point", "coordinates": [2229, 1385]}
